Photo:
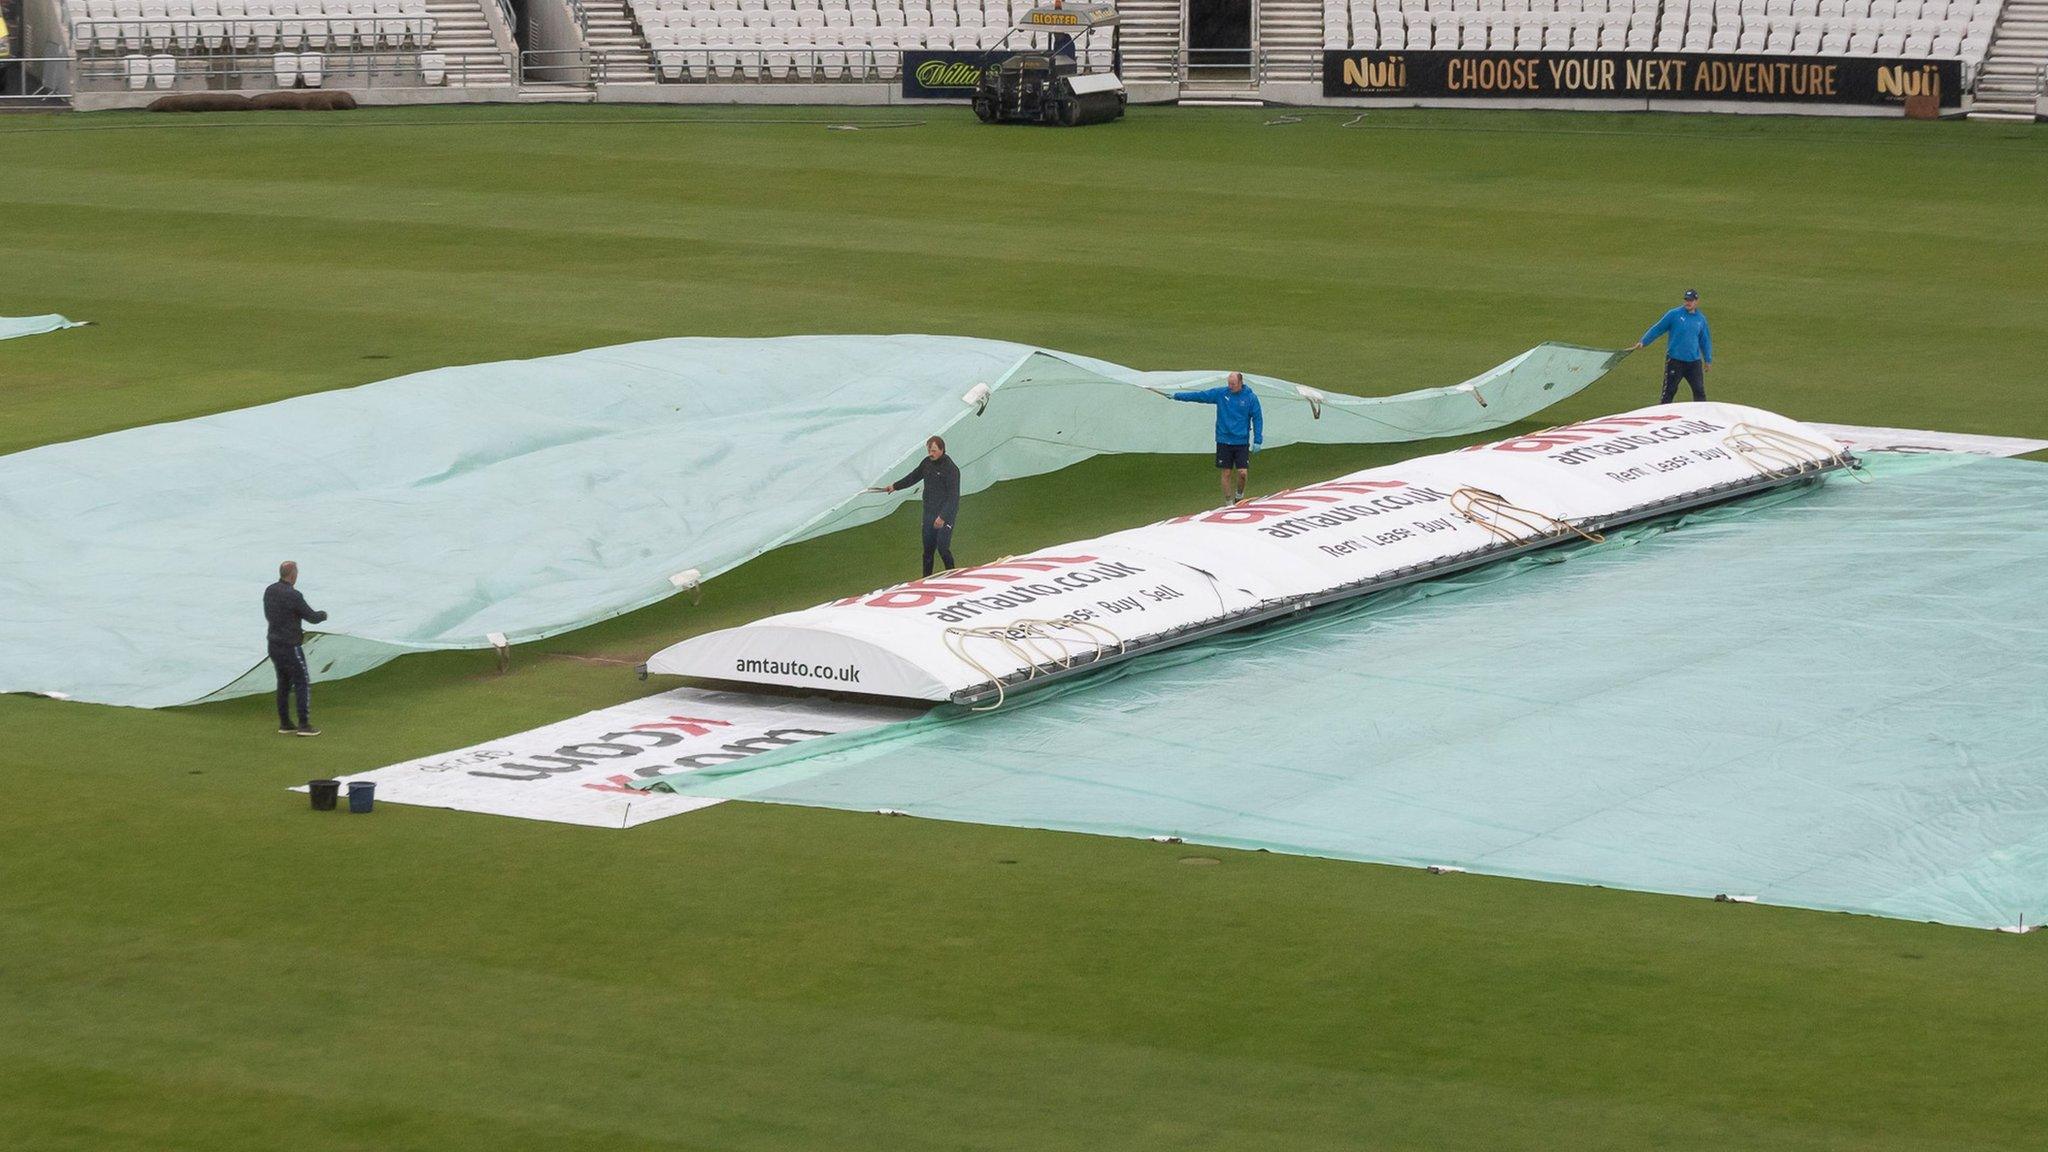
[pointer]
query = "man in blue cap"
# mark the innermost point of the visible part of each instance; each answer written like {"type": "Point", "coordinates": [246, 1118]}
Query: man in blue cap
{"type": "Point", "coordinates": [1240, 429]}
{"type": "Point", "coordinates": [1690, 351]}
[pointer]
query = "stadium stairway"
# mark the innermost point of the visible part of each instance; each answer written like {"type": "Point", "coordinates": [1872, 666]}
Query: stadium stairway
{"type": "Point", "coordinates": [612, 36]}
{"type": "Point", "coordinates": [2008, 87]}
{"type": "Point", "coordinates": [477, 57]}
{"type": "Point", "coordinates": [1150, 40]}
{"type": "Point", "coordinates": [1291, 38]}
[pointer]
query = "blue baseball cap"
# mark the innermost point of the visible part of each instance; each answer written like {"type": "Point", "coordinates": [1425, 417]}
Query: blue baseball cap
{"type": "Point", "coordinates": [1691, 294]}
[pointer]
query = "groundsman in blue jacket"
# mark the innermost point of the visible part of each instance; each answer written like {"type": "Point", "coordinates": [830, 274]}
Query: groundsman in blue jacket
{"type": "Point", "coordinates": [1689, 353]}
{"type": "Point", "coordinates": [1240, 430]}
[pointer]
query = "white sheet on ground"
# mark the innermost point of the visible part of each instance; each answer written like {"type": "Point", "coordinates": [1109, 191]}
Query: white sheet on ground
{"type": "Point", "coordinates": [576, 771]}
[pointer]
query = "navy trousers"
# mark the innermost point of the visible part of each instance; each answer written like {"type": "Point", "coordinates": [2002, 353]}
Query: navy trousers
{"type": "Point", "coordinates": [938, 540]}
{"type": "Point", "coordinates": [293, 679]}
{"type": "Point", "coordinates": [1693, 372]}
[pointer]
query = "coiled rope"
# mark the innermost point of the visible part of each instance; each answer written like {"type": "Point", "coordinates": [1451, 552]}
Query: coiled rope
{"type": "Point", "coordinates": [1033, 643]}
{"type": "Point", "coordinates": [1775, 452]}
{"type": "Point", "coordinates": [1493, 512]}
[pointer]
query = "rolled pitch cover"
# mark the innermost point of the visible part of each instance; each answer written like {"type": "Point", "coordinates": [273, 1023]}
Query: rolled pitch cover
{"type": "Point", "coordinates": [323, 793]}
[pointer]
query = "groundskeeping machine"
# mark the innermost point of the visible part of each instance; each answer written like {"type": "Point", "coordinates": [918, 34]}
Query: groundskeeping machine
{"type": "Point", "coordinates": [1040, 80]}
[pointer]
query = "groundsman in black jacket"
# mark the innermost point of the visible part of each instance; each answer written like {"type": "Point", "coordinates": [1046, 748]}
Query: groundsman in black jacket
{"type": "Point", "coordinates": [941, 480]}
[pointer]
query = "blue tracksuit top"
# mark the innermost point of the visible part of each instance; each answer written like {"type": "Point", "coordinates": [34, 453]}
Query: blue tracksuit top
{"type": "Point", "coordinates": [1238, 418]}
{"type": "Point", "coordinates": [1689, 337]}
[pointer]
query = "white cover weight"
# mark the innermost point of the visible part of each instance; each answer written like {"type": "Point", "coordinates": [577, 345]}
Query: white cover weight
{"type": "Point", "coordinates": [933, 638]}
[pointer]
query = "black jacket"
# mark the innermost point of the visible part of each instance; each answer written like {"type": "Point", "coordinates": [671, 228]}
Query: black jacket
{"type": "Point", "coordinates": [284, 607]}
{"type": "Point", "coordinates": [941, 480]}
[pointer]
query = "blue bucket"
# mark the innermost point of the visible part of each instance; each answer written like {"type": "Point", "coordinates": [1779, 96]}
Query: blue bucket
{"type": "Point", "coordinates": [362, 795]}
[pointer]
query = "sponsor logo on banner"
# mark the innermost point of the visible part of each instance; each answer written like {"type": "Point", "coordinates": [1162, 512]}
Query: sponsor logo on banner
{"type": "Point", "coordinates": [1593, 440]}
{"type": "Point", "coordinates": [581, 771]}
{"type": "Point", "coordinates": [1639, 76]}
{"type": "Point", "coordinates": [1014, 582]}
{"type": "Point", "coordinates": [945, 75]}
{"type": "Point", "coordinates": [1380, 496]}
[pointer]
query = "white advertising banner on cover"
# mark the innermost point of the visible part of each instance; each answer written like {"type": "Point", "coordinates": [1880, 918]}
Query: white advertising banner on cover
{"type": "Point", "coordinates": [959, 631]}
{"type": "Point", "coordinates": [1911, 440]}
{"type": "Point", "coordinates": [580, 771]}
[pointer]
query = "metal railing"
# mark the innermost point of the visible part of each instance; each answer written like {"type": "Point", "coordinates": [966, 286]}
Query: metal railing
{"type": "Point", "coordinates": [718, 64]}
{"type": "Point", "coordinates": [234, 72]}
{"type": "Point", "coordinates": [581, 17]}
{"type": "Point", "coordinates": [574, 67]}
{"type": "Point", "coordinates": [511, 20]}
{"type": "Point", "coordinates": [33, 81]}
{"type": "Point", "coordinates": [1220, 67]}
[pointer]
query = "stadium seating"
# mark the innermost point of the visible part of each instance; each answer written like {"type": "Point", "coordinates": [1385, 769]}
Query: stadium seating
{"type": "Point", "coordinates": [818, 40]}
{"type": "Point", "coordinates": [1932, 29]}
{"type": "Point", "coordinates": [192, 27]}
{"type": "Point", "coordinates": [205, 45]}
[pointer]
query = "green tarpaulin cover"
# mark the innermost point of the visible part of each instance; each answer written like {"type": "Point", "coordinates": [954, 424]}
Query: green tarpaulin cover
{"type": "Point", "coordinates": [531, 497]}
{"type": "Point", "coordinates": [1832, 700]}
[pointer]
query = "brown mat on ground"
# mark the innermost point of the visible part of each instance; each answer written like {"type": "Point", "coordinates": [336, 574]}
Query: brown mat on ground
{"type": "Point", "coordinates": [309, 100]}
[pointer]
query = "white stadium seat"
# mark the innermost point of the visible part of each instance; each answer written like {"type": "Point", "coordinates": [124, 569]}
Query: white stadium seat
{"type": "Point", "coordinates": [263, 29]}
{"type": "Point", "coordinates": [180, 13]}
{"type": "Point", "coordinates": [746, 44]}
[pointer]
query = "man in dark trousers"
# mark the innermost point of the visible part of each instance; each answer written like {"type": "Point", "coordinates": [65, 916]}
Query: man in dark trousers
{"type": "Point", "coordinates": [941, 480]}
{"type": "Point", "coordinates": [1690, 351]}
{"type": "Point", "coordinates": [285, 608]}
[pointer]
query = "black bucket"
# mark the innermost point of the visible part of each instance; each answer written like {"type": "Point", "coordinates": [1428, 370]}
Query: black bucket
{"type": "Point", "coordinates": [323, 793]}
{"type": "Point", "coordinates": [361, 795]}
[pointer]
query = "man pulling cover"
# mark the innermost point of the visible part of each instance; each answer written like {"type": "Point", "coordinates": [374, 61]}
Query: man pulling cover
{"type": "Point", "coordinates": [941, 480]}
{"type": "Point", "coordinates": [1240, 430]}
{"type": "Point", "coordinates": [284, 610]}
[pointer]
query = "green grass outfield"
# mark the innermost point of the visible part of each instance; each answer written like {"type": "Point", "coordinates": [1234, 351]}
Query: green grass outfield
{"type": "Point", "coordinates": [189, 959]}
